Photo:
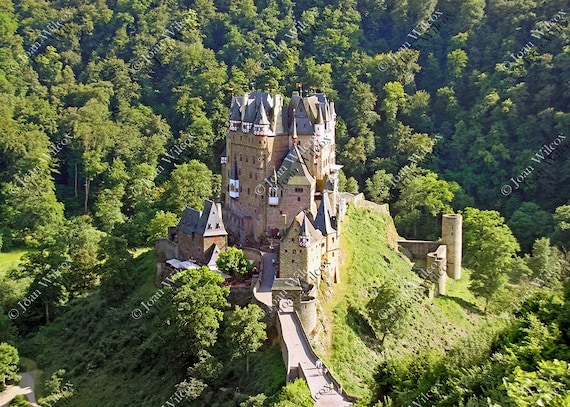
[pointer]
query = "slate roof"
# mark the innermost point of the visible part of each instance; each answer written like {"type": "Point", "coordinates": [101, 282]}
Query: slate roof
{"type": "Point", "coordinates": [307, 228]}
{"type": "Point", "coordinates": [212, 255]}
{"type": "Point", "coordinates": [235, 114]}
{"type": "Point", "coordinates": [323, 218]}
{"type": "Point", "coordinates": [307, 111]}
{"type": "Point", "coordinates": [261, 116]}
{"type": "Point", "coordinates": [206, 223]}
{"type": "Point", "coordinates": [293, 165]}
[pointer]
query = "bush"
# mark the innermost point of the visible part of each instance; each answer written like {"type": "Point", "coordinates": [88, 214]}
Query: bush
{"type": "Point", "coordinates": [20, 401]}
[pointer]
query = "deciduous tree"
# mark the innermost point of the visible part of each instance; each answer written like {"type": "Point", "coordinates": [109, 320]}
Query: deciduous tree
{"type": "Point", "coordinates": [489, 249]}
{"type": "Point", "coordinates": [245, 332]}
{"type": "Point", "coordinates": [9, 359]}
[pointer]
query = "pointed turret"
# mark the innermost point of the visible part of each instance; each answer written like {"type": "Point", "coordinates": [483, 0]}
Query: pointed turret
{"type": "Point", "coordinates": [294, 135]}
{"type": "Point", "coordinates": [304, 233]}
{"type": "Point", "coordinates": [261, 126]}
{"type": "Point", "coordinates": [235, 115]}
{"type": "Point", "coordinates": [319, 124]}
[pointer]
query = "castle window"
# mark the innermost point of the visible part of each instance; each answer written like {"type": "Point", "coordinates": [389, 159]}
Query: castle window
{"type": "Point", "coordinates": [333, 254]}
{"type": "Point", "coordinates": [292, 260]}
{"type": "Point", "coordinates": [256, 176]}
{"type": "Point", "coordinates": [298, 199]}
{"type": "Point", "coordinates": [298, 189]}
{"type": "Point", "coordinates": [248, 191]}
{"type": "Point", "coordinates": [294, 251]}
{"type": "Point", "coordinates": [240, 157]}
{"type": "Point", "coordinates": [250, 175]}
{"type": "Point", "coordinates": [285, 250]}
{"type": "Point", "coordinates": [246, 159]}
{"type": "Point", "coordinates": [217, 225]}
{"type": "Point", "coordinates": [209, 226]}
{"type": "Point", "coordinates": [333, 239]}
{"type": "Point", "coordinates": [293, 239]}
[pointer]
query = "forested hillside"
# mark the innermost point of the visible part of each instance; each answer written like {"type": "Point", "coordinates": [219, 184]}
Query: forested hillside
{"type": "Point", "coordinates": [113, 116]}
{"type": "Point", "coordinates": [101, 101]}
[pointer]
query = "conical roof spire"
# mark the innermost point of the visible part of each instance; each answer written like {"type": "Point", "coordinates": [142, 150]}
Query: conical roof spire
{"type": "Point", "coordinates": [235, 114]}
{"type": "Point", "coordinates": [319, 119]}
{"type": "Point", "coordinates": [262, 117]}
{"type": "Point", "coordinates": [304, 232]}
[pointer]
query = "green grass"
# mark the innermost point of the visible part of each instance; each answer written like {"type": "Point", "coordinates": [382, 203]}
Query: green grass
{"type": "Point", "coordinates": [431, 326]}
{"type": "Point", "coordinates": [10, 260]}
{"type": "Point", "coordinates": [12, 290]}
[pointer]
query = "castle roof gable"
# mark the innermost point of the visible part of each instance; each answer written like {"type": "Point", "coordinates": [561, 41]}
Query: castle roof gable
{"type": "Point", "coordinates": [206, 223]}
{"type": "Point", "coordinates": [323, 218]}
{"type": "Point", "coordinates": [306, 229]}
{"type": "Point", "coordinates": [235, 114]}
{"type": "Point", "coordinates": [293, 170]}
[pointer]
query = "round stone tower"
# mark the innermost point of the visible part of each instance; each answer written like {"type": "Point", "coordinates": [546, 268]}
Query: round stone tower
{"type": "Point", "coordinates": [307, 311]}
{"type": "Point", "coordinates": [451, 236]}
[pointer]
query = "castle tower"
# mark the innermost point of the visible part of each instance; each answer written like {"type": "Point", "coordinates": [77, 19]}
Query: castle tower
{"type": "Point", "coordinates": [300, 251]}
{"type": "Point", "coordinates": [451, 236]}
{"type": "Point", "coordinates": [323, 223]}
{"type": "Point", "coordinates": [277, 158]}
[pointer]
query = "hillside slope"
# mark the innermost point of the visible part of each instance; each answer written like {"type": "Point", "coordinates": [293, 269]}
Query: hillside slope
{"type": "Point", "coordinates": [354, 353]}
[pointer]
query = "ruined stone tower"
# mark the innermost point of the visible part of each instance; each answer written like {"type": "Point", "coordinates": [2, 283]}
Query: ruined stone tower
{"type": "Point", "coordinates": [451, 236]}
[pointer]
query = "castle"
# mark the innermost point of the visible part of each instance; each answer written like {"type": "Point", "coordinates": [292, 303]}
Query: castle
{"type": "Point", "coordinates": [279, 181]}
{"type": "Point", "coordinates": [280, 185]}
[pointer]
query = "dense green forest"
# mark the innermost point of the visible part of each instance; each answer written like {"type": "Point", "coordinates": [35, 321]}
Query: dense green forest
{"type": "Point", "coordinates": [113, 115]}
